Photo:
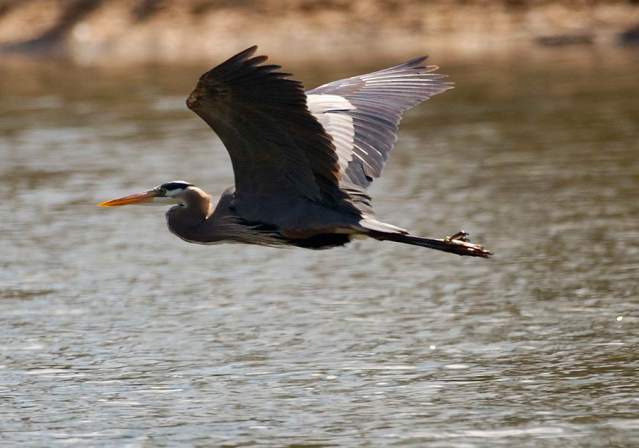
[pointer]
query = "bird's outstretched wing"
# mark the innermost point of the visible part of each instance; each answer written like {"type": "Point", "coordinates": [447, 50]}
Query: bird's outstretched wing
{"type": "Point", "coordinates": [362, 114]}
{"type": "Point", "coordinates": [277, 147]}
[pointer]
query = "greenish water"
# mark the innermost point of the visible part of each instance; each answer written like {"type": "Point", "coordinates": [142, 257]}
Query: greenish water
{"type": "Point", "coordinates": [116, 333]}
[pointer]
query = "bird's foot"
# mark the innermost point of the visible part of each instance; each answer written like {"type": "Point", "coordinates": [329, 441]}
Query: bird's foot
{"type": "Point", "coordinates": [461, 245]}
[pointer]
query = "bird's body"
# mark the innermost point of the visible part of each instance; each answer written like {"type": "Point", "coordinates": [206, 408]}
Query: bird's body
{"type": "Point", "coordinates": [302, 160]}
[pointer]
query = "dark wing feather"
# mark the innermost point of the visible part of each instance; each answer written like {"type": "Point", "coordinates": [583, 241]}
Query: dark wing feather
{"type": "Point", "coordinates": [362, 113]}
{"type": "Point", "coordinates": [278, 149]}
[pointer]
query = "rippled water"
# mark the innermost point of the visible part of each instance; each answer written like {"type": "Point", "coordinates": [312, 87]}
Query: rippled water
{"type": "Point", "coordinates": [114, 332]}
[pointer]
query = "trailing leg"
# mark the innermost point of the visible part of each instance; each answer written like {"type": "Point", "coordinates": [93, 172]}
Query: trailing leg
{"type": "Point", "coordinates": [457, 244]}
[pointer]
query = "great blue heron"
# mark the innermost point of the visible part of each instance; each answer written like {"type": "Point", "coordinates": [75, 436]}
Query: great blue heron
{"type": "Point", "coordinates": [302, 160]}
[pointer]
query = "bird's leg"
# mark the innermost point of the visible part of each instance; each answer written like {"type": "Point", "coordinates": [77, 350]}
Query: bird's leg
{"type": "Point", "coordinates": [460, 243]}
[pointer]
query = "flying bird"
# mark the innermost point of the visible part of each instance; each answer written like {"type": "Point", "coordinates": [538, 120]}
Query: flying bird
{"type": "Point", "coordinates": [302, 159]}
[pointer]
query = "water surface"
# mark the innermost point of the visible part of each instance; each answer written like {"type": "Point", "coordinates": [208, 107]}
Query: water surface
{"type": "Point", "coordinates": [114, 332]}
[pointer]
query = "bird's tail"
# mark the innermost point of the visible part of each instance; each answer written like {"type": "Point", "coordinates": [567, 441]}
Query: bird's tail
{"type": "Point", "coordinates": [457, 244]}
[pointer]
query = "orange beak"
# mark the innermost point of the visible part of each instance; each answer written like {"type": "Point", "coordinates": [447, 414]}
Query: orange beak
{"type": "Point", "coordinates": [136, 198]}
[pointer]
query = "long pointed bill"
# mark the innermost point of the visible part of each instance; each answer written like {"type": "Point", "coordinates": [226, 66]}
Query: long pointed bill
{"type": "Point", "coordinates": [136, 198]}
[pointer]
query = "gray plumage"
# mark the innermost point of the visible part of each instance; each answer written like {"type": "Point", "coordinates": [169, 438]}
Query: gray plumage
{"type": "Point", "coordinates": [302, 160]}
{"type": "Point", "coordinates": [376, 102]}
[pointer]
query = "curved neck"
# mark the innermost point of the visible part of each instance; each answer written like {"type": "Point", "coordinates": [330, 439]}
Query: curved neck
{"type": "Point", "coordinates": [185, 220]}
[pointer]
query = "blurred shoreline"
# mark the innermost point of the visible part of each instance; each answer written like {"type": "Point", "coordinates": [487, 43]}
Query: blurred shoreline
{"type": "Point", "coordinates": [119, 32]}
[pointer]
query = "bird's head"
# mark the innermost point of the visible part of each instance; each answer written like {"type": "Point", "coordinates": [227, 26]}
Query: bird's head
{"type": "Point", "coordinates": [167, 193]}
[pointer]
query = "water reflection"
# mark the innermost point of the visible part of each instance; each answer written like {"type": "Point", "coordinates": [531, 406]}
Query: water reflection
{"type": "Point", "coordinates": [116, 332]}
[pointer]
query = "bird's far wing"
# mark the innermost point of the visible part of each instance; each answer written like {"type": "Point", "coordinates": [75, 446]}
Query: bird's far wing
{"type": "Point", "coordinates": [276, 146]}
{"type": "Point", "coordinates": [362, 113]}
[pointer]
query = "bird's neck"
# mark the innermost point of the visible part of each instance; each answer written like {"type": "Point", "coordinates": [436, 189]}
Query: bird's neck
{"type": "Point", "coordinates": [198, 203]}
{"type": "Point", "coordinates": [187, 218]}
